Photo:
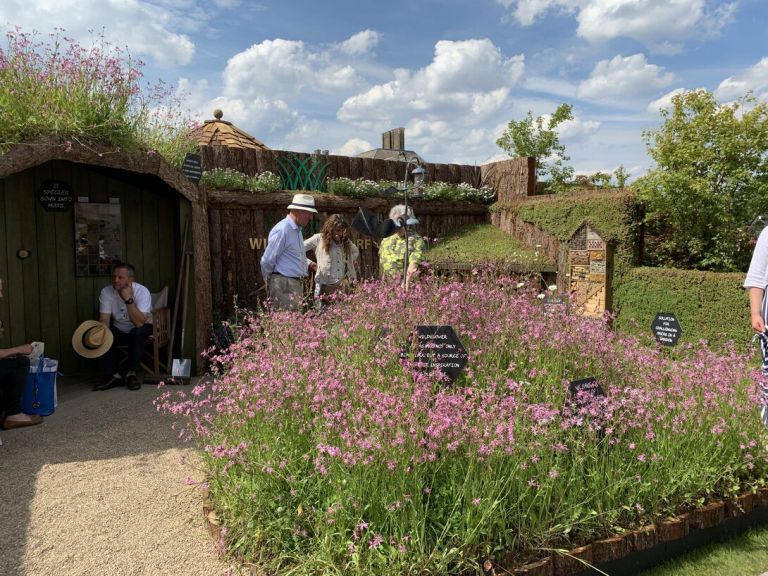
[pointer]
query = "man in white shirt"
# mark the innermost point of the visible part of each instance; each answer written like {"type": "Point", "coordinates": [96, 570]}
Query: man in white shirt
{"type": "Point", "coordinates": [126, 308]}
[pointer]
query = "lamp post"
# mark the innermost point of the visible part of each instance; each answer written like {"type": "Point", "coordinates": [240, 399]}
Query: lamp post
{"type": "Point", "coordinates": [418, 174]}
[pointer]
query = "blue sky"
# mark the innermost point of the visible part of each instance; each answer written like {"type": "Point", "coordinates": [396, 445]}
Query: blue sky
{"type": "Point", "coordinates": [302, 75]}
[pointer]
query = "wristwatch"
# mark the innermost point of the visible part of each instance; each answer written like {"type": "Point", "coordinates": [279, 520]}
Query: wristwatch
{"type": "Point", "coordinates": [129, 301]}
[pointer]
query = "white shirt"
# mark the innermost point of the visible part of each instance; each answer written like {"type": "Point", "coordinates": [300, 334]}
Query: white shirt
{"type": "Point", "coordinates": [332, 266]}
{"type": "Point", "coordinates": [110, 302]}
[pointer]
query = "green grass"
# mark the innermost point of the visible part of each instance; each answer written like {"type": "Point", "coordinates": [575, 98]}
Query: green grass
{"type": "Point", "coordinates": [483, 244]}
{"type": "Point", "coordinates": [745, 555]}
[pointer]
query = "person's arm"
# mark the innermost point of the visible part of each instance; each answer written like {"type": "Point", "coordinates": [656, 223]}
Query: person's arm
{"type": "Point", "coordinates": [137, 317]}
{"type": "Point", "coordinates": [24, 350]}
{"type": "Point", "coordinates": [312, 243]}
{"type": "Point", "coordinates": [354, 254]}
{"type": "Point", "coordinates": [756, 309]}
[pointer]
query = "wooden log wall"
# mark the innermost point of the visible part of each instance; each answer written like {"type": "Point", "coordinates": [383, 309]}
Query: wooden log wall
{"type": "Point", "coordinates": [252, 162]}
{"type": "Point", "coordinates": [511, 179]}
{"type": "Point", "coordinates": [239, 224]}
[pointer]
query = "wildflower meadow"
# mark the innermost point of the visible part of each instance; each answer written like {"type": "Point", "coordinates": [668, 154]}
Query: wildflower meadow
{"type": "Point", "coordinates": [329, 450]}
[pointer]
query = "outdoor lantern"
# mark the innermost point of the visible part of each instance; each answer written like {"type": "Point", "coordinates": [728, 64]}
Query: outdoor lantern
{"type": "Point", "coordinates": [418, 174]}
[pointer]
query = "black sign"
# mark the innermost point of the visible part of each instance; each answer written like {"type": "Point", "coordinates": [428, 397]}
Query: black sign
{"type": "Point", "coordinates": [192, 167]}
{"type": "Point", "coordinates": [55, 196]}
{"type": "Point", "coordinates": [439, 347]}
{"type": "Point", "coordinates": [666, 328]}
{"type": "Point", "coordinates": [586, 388]}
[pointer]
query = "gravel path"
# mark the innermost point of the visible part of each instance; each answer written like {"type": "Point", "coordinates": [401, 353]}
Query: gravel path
{"type": "Point", "coordinates": [98, 489]}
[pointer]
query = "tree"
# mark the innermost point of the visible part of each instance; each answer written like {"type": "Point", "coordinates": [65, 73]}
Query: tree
{"type": "Point", "coordinates": [621, 175]}
{"type": "Point", "coordinates": [539, 139]}
{"type": "Point", "coordinates": [710, 180]}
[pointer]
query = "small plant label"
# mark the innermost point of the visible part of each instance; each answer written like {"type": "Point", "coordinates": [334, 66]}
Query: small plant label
{"type": "Point", "coordinates": [586, 389]}
{"type": "Point", "coordinates": [192, 168]}
{"type": "Point", "coordinates": [666, 329]}
{"type": "Point", "coordinates": [555, 303]}
{"type": "Point", "coordinates": [439, 347]}
{"type": "Point", "coordinates": [55, 196]}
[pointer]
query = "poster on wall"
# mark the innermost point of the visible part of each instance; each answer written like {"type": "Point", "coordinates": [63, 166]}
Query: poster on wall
{"type": "Point", "coordinates": [98, 238]}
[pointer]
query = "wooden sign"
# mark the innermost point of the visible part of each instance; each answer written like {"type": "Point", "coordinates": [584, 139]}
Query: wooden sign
{"type": "Point", "coordinates": [192, 168]}
{"type": "Point", "coordinates": [555, 303]}
{"type": "Point", "coordinates": [439, 347]}
{"type": "Point", "coordinates": [666, 328]}
{"type": "Point", "coordinates": [55, 196]}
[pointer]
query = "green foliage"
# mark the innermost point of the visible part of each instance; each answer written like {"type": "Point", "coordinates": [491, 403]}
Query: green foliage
{"type": "Point", "coordinates": [621, 175]}
{"type": "Point", "coordinates": [228, 179]}
{"type": "Point", "coordinates": [539, 139]}
{"type": "Point", "coordinates": [86, 95]}
{"type": "Point", "coordinates": [482, 244]}
{"type": "Point", "coordinates": [745, 554]}
{"type": "Point", "coordinates": [308, 173]}
{"type": "Point", "coordinates": [710, 180]}
{"type": "Point", "coordinates": [362, 188]}
{"type": "Point", "coordinates": [710, 306]}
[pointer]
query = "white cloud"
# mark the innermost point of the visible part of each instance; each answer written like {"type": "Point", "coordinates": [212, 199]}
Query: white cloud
{"type": "Point", "coordinates": [469, 77]}
{"type": "Point", "coordinates": [753, 79]}
{"type": "Point", "coordinates": [662, 25]}
{"type": "Point", "coordinates": [665, 102]}
{"type": "Point", "coordinates": [577, 128]}
{"type": "Point", "coordinates": [353, 147]}
{"type": "Point", "coordinates": [624, 78]}
{"type": "Point", "coordinates": [145, 28]}
{"type": "Point", "coordinates": [360, 43]}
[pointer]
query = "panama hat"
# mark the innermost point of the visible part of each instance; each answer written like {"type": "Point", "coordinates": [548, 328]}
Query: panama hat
{"type": "Point", "coordinates": [92, 339]}
{"type": "Point", "coordinates": [303, 202]}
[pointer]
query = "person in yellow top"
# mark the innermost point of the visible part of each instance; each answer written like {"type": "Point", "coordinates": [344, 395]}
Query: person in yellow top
{"type": "Point", "coordinates": [392, 248]}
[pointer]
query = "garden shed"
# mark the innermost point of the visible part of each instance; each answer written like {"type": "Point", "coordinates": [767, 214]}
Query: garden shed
{"type": "Point", "coordinates": [67, 212]}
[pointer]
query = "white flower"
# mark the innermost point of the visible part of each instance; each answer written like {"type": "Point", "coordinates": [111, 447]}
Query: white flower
{"type": "Point", "coordinates": [520, 285]}
{"type": "Point", "coordinates": [553, 287]}
{"type": "Point", "coordinates": [540, 296]}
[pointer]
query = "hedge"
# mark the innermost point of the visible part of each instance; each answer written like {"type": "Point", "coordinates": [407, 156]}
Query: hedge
{"type": "Point", "coordinates": [710, 306]}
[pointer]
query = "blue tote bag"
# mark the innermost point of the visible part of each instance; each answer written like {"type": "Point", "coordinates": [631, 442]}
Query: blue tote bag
{"type": "Point", "coordinates": [40, 392]}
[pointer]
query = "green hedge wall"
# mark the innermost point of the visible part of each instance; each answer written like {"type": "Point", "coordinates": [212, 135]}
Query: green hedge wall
{"type": "Point", "coordinates": [711, 306]}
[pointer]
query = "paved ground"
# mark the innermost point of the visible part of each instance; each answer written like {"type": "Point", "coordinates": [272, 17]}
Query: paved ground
{"type": "Point", "coordinates": [98, 489]}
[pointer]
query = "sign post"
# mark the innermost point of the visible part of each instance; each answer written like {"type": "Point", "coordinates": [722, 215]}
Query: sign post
{"type": "Point", "coordinates": [666, 328]}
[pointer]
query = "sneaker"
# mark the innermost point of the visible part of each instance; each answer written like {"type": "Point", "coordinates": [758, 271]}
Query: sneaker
{"type": "Point", "coordinates": [110, 383]}
{"type": "Point", "coordinates": [132, 382]}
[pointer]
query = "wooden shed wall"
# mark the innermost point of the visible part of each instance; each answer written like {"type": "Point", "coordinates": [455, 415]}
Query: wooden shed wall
{"type": "Point", "coordinates": [240, 223]}
{"type": "Point", "coordinates": [43, 299]}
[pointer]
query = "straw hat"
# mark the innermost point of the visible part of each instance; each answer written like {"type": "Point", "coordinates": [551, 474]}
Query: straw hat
{"type": "Point", "coordinates": [303, 202]}
{"type": "Point", "coordinates": [92, 339]}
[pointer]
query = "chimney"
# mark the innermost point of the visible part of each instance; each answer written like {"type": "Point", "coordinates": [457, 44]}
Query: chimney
{"type": "Point", "coordinates": [393, 139]}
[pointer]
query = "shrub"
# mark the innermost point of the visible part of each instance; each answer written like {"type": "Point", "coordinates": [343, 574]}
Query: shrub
{"type": "Point", "coordinates": [230, 179]}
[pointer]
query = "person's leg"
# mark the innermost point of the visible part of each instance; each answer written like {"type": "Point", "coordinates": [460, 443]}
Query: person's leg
{"type": "Point", "coordinates": [110, 376]}
{"type": "Point", "coordinates": [137, 337]}
{"type": "Point", "coordinates": [13, 378]}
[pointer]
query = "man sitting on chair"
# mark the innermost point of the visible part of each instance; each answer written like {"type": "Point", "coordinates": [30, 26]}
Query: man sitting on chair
{"type": "Point", "coordinates": [125, 307]}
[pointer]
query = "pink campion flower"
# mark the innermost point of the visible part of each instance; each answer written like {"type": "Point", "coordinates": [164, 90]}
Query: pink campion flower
{"type": "Point", "coordinates": [641, 457]}
{"type": "Point", "coordinates": [475, 501]}
{"type": "Point", "coordinates": [376, 541]}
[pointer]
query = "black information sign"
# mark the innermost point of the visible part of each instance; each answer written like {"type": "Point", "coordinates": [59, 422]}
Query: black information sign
{"type": "Point", "coordinates": [55, 196]}
{"type": "Point", "coordinates": [192, 167]}
{"type": "Point", "coordinates": [587, 388]}
{"type": "Point", "coordinates": [439, 347]}
{"type": "Point", "coordinates": [666, 328]}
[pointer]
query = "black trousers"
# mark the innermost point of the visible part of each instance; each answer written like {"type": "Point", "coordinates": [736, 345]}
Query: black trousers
{"type": "Point", "coordinates": [13, 378]}
{"type": "Point", "coordinates": [135, 340]}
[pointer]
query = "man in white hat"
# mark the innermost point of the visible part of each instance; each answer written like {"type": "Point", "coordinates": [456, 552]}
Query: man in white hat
{"type": "Point", "coordinates": [284, 263]}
